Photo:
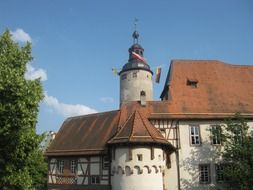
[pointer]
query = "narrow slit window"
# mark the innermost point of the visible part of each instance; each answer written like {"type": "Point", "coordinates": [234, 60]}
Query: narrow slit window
{"type": "Point", "coordinates": [139, 157]}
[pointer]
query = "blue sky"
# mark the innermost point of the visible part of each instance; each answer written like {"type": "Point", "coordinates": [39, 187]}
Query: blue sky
{"type": "Point", "coordinates": [77, 43]}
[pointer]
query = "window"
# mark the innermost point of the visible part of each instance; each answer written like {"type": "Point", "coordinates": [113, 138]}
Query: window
{"type": "Point", "coordinates": [123, 77]}
{"type": "Point", "coordinates": [134, 74]}
{"type": "Point", "coordinates": [130, 154]}
{"type": "Point", "coordinates": [204, 173]}
{"type": "Point", "coordinates": [105, 162]}
{"type": "Point", "coordinates": [216, 134]}
{"type": "Point", "coordinates": [95, 179]}
{"type": "Point", "coordinates": [192, 83]}
{"type": "Point", "coordinates": [195, 136]}
{"type": "Point", "coordinates": [152, 152]}
{"type": "Point", "coordinates": [73, 166]}
{"type": "Point", "coordinates": [139, 157]}
{"type": "Point", "coordinates": [60, 166]}
{"type": "Point", "coordinates": [219, 169]}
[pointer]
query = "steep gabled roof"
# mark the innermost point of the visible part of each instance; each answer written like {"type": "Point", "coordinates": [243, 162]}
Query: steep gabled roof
{"type": "Point", "coordinates": [221, 87]}
{"type": "Point", "coordinates": [85, 135]}
{"type": "Point", "coordinates": [137, 129]}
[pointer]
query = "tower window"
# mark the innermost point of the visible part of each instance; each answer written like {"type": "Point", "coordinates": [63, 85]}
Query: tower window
{"type": "Point", "coordinates": [139, 157]}
{"type": "Point", "coordinates": [123, 77]}
{"type": "Point", "coordinates": [134, 74]}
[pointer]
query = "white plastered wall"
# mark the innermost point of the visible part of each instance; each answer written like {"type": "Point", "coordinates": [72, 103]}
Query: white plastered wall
{"type": "Point", "coordinates": [190, 156]}
{"type": "Point", "coordinates": [134, 174]}
{"type": "Point", "coordinates": [131, 87]}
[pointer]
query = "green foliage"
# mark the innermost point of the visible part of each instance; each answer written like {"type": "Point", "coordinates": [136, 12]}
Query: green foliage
{"type": "Point", "coordinates": [22, 165]}
{"type": "Point", "coordinates": [238, 153]}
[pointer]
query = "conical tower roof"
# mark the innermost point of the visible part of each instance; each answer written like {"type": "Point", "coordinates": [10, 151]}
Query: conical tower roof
{"type": "Point", "coordinates": [138, 130]}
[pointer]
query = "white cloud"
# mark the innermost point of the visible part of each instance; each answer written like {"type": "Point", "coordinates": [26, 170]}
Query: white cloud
{"type": "Point", "coordinates": [20, 36]}
{"type": "Point", "coordinates": [106, 99]}
{"type": "Point", "coordinates": [32, 73]}
{"type": "Point", "coordinates": [67, 110]}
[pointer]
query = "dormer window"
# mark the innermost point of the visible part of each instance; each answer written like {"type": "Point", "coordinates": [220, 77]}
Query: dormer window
{"type": "Point", "coordinates": [192, 83]}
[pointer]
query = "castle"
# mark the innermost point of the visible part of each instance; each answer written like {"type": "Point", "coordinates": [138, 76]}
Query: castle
{"type": "Point", "coordinates": [154, 145]}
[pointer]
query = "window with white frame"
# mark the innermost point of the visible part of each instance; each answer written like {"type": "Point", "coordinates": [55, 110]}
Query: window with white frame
{"type": "Point", "coordinates": [73, 166]}
{"type": "Point", "coordinates": [95, 179]}
{"type": "Point", "coordinates": [216, 134]}
{"type": "Point", "coordinates": [195, 135]}
{"type": "Point", "coordinates": [60, 166]}
{"type": "Point", "coordinates": [204, 173]}
{"type": "Point", "coordinates": [219, 170]}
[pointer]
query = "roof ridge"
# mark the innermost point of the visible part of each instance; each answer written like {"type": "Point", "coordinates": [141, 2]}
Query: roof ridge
{"type": "Point", "coordinates": [144, 124]}
{"type": "Point", "coordinates": [132, 128]}
{"type": "Point", "coordinates": [90, 114]}
{"type": "Point", "coordinates": [124, 124]}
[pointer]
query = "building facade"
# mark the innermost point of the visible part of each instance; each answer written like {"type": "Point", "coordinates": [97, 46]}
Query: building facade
{"type": "Point", "coordinates": [154, 145]}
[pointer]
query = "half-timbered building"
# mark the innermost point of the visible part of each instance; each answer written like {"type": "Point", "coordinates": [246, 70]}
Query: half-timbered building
{"type": "Point", "coordinates": [154, 145]}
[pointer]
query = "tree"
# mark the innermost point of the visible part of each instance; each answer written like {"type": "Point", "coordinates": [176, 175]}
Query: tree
{"type": "Point", "coordinates": [22, 165]}
{"type": "Point", "coordinates": [238, 153]}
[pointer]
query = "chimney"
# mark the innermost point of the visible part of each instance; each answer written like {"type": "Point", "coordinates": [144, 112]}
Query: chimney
{"type": "Point", "coordinates": [143, 98]}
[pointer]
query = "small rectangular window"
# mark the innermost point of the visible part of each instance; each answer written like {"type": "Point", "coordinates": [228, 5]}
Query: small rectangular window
{"type": "Point", "coordinates": [73, 166]}
{"type": "Point", "coordinates": [60, 166]}
{"type": "Point", "coordinates": [216, 134]}
{"type": "Point", "coordinates": [204, 173]}
{"type": "Point", "coordinates": [139, 157]}
{"type": "Point", "coordinates": [152, 151]}
{"type": "Point", "coordinates": [219, 169]}
{"type": "Point", "coordinates": [95, 179]}
{"type": "Point", "coordinates": [123, 77]}
{"type": "Point", "coordinates": [134, 74]}
{"type": "Point", "coordinates": [195, 135]}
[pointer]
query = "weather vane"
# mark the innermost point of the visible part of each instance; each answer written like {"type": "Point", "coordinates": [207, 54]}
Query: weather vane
{"type": "Point", "coordinates": [135, 34]}
{"type": "Point", "coordinates": [135, 23]}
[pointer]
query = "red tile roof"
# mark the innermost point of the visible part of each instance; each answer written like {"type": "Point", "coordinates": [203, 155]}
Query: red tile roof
{"type": "Point", "coordinates": [221, 87]}
{"type": "Point", "coordinates": [137, 129]}
{"type": "Point", "coordinates": [222, 90]}
{"type": "Point", "coordinates": [85, 135]}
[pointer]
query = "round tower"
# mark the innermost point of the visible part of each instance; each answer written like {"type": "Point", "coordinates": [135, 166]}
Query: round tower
{"type": "Point", "coordinates": [136, 76]}
{"type": "Point", "coordinates": [139, 154]}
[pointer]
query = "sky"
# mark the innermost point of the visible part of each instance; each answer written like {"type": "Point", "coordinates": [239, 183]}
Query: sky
{"type": "Point", "coordinates": [75, 44]}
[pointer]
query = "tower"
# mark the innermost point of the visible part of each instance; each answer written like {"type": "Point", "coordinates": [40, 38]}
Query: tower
{"type": "Point", "coordinates": [136, 76]}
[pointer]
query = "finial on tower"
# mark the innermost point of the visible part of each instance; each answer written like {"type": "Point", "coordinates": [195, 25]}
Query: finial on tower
{"type": "Point", "coordinates": [135, 34]}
